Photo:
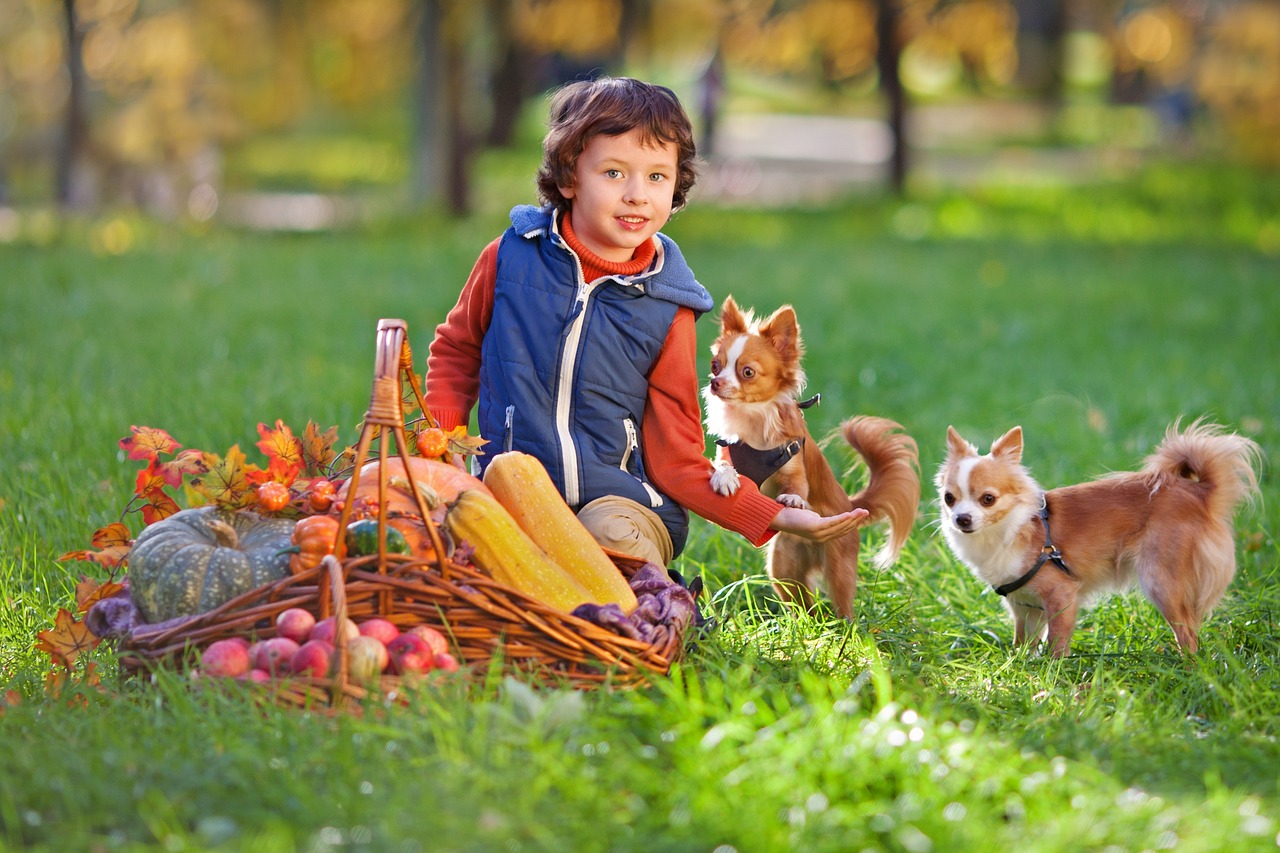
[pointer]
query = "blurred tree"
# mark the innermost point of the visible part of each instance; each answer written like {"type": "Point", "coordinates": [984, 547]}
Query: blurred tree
{"type": "Point", "coordinates": [889, 59]}
{"type": "Point", "coordinates": [75, 137]}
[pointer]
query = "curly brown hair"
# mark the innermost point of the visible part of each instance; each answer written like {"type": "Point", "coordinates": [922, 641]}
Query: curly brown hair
{"type": "Point", "coordinates": [612, 106]}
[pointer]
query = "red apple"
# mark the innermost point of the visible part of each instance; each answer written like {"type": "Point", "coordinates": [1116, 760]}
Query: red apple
{"type": "Point", "coordinates": [226, 658]}
{"type": "Point", "coordinates": [366, 659]}
{"type": "Point", "coordinates": [312, 658]}
{"type": "Point", "coordinates": [446, 662]}
{"type": "Point", "coordinates": [434, 638]}
{"type": "Point", "coordinates": [257, 676]}
{"type": "Point", "coordinates": [383, 630]}
{"type": "Point", "coordinates": [274, 655]}
{"type": "Point", "coordinates": [327, 630]}
{"type": "Point", "coordinates": [296, 624]}
{"type": "Point", "coordinates": [410, 654]}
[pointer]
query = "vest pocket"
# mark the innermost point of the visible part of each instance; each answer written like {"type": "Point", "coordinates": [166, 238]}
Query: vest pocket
{"type": "Point", "coordinates": [632, 450]}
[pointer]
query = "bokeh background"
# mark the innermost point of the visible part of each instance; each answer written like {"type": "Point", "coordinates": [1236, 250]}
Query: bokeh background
{"type": "Point", "coordinates": [311, 114]}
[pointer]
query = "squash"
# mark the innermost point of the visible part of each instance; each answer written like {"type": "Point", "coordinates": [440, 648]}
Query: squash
{"type": "Point", "coordinates": [312, 538]}
{"type": "Point", "coordinates": [439, 482]}
{"type": "Point", "coordinates": [522, 485]}
{"type": "Point", "coordinates": [197, 559]}
{"type": "Point", "coordinates": [362, 539]}
{"type": "Point", "coordinates": [508, 555]}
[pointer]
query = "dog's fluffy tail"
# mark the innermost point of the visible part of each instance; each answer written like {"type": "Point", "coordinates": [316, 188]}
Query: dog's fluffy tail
{"type": "Point", "coordinates": [893, 492]}
{"type": "Point", "coordinates": [1226, 464]}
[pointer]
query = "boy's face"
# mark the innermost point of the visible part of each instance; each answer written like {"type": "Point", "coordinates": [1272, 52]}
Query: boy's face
{"type": "Point", "coordinates": [621, 194]}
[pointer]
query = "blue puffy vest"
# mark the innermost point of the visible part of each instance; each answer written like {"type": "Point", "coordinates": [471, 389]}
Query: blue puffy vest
{"type": "Point", "coordinates": [564, 364]}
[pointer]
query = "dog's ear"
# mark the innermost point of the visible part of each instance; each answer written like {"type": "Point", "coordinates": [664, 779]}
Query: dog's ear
{"type": "Point", "coordinates": [957, 446]}
{"type": "Point", "coordinates": [732, 320]}
{"type": "Point", "coordinates": [783, 331]}
{"type": "Point", "coordinates": [1009, 446]}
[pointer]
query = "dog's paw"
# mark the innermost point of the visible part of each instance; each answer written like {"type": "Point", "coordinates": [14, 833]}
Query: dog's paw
{"type": "Point", "coordinates": [793, 501]}
{"type": "Point", "coordinates": [724, 480]}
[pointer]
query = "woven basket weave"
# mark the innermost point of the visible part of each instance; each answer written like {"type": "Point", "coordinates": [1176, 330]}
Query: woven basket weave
{"type": "Point", "coordinates": [485, 621]}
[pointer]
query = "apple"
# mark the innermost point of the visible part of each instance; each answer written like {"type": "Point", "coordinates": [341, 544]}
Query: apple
{"type": "Point", "coordinates": [410, 654]}
{"type": "Point", "coordinates": [366, 659]}
{"type": "Point", "coordinates": [434, 638]}
{"type": "Point", "coordinates": [296, 624]}
{"type": "Point", "coordinates": [446, 662]}
{"type": "Point", "coordinates": [312, 658]}
{"type": "Point", "coordinates": [256, 676]}
{"type": "Point", "coordinates": [226, 658]}
{"type": "Point", "coordinates": [327, 630]}
{"type": "Point", "coordinates": [380, 629]}
{"type": "Point", "coordinates": [274, 655]}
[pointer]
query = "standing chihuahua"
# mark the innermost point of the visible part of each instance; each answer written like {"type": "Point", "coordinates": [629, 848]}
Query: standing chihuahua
{"type": "Point", "coordinates": [752, 408]}
{"type": "Point", "coordinates": [1167, 526]}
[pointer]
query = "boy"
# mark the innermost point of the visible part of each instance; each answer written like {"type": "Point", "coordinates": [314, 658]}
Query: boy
{"type": "Point", "coordinates": [575, 333]}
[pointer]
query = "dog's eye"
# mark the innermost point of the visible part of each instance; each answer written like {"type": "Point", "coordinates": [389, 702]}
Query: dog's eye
{"type": "Point", "coordinates": [988, 499]}
{"type": "Point", "coordinates": [949, 499]}
{"type": "Point", "coordinates": [748, 372]}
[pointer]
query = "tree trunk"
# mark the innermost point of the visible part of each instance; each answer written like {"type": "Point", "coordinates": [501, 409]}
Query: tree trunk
{"type": "Point", "coordinates": [75, 138]}
{"type": "Point", "coordinates": [888, 55]}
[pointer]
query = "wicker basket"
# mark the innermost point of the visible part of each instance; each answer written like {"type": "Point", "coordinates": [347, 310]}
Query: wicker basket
{"type": "Point", "coordinates": [487, 622]}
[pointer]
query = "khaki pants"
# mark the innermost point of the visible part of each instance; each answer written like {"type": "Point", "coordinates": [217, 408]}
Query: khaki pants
{"type": "Point", "coordinates": [623, 525]}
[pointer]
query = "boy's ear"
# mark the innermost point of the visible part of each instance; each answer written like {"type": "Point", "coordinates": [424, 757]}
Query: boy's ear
{"type": "Point", "coordinates": [783, 331]}
{"type": "Point", "coordinates": [732, 320]}
{"type": "Point", "coordinates": [1009, 446]}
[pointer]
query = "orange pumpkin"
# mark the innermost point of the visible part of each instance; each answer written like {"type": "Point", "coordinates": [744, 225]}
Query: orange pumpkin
{"type": "Point", "coordinates": [314, 537]}
{"type": "Point", "coordinates": [438, 482]}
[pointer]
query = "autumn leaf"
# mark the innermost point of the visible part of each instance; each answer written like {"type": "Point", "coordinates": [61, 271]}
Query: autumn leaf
{"type": "Point", "coordinates": [463, 444]}
{"type": "Point", "coordinates": [90, 591]}
{"type": "Point", "coordinates": [317, 448]}
{"type": "Point", "coordinates": [56, 681]}
{"type": "Point", "coordinates": [66, 640]}
{"type": "Point", "coordinates": [159, 507]}
{"type": "Point", "coordinates": [113, 542]}
{"type": "Point", "coordinates": [148, 443]}
{"type": "Point", "coordinates": [278, 471]}
{"type": "Point", "coordinates": [280, 443]}
{"type": "Point", "coordinates": [185, 463]}
{"type": "Point", "coordinates": [226, 482]}
{"type": "Point", "coordinates": [151, 480]}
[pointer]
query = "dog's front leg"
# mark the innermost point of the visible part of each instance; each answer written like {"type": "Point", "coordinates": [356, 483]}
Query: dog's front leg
{"type": "Point", "coordinates": [724, 479]}
{"type": "Point", "coordinates": [1061, 607]}
{"type": "Point", "coordinates": [1029, 623]}
{"type": "Point", "coordinates": [792, 487]}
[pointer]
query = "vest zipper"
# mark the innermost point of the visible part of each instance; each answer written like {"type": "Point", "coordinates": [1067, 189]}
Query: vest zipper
{"type": "Point", "coordinates": [633, 446]}
{"type": "Point", "coordinates": [564, 392]}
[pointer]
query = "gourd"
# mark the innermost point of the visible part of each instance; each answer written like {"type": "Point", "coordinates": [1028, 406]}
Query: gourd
{"type": "Point", "coordinates": [362, 539]}
{"type": "Point", "coordinates": [197, 559]}
{"type": "Point", "coordinates": [312, 537]}
{"type": "Point", "coordinates": [508, 555]}
{"type": "Point", "coordinates": [522, 485]}
{"type": "Point", "coordinates": [439, 482]}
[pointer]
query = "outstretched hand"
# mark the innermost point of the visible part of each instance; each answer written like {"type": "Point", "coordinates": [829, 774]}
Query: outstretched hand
{"type": "Point", "coordinates": [810, 525]}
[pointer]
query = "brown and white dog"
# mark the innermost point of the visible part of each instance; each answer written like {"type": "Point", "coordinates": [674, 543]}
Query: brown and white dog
{"type": "Point", "coordinates": [752, 407]}
{"type": "Point", "coordinates": [1167, 526]}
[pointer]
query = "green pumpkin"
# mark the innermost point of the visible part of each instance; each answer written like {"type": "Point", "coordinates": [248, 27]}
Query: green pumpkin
{"type": "Point", "coordinates": [197, 559]}
{"type": "Point", "coordinates": [362, 539]}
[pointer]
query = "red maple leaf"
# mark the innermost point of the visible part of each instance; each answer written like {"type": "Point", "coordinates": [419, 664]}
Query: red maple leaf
{"type": "Point", "coordinates": [112, 542]}
{"type": "Point", "coordinates": [280, 443]}
{"type": "Point", "coordinates": [148, 443]}
{"type": "Point", "coordinates": [158, 507]}
{"type": "Point", "coordinates": [151, 480]}
{"type": "Point", "coordinates": [186, 462]}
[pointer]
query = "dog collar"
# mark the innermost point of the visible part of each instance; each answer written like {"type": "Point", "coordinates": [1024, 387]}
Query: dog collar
{"type": "Point", "coordinates": [759, 465]}
{"type": "Point", "coordinates": [1049, 553]}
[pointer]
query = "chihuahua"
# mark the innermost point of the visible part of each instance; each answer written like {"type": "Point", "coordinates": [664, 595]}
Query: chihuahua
{"type": "Point", "coordinates": [754, 411]}
{"type": "Point", "coordinates": [1168, 527]}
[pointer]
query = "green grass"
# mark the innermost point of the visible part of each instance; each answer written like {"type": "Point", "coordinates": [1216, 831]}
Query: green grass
{"type": "Point", "coordinates": [1093, 317]}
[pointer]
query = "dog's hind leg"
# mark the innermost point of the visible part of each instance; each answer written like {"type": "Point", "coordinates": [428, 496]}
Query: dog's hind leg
{"type": "Point", "coordinates": [840, 571]}
{"type": "Point", "coordinates": [790, 563]}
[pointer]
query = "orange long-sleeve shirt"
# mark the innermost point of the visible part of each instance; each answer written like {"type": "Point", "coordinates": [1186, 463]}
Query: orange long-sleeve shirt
{"type": "Point", "coordinates": [671, 428]}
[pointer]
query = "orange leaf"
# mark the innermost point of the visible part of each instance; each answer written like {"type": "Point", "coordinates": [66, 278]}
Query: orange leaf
{"type": "Point", "coordinates": [148, 443]}
{"type": "Point", "coordinates": [158, 508]}
{"type": "Point", "coordinates": [90, 591]}
{"type": "Point", "coordinates": [226, 482]}
{"type": "Point", "coordinates": [150, 481]}
{"type": "Point", "coordinates": [186, 462]}
{"type": "Point", "coordinates": [66, 640]}
{"type": "Point", "coordinates": [280, 443]}
{"type": "Point", "coordinates": [317, 448]}
{"type": "Point", "coordinates": [461, 443]}
{"type": "Point", "coordinates": [113, 541]}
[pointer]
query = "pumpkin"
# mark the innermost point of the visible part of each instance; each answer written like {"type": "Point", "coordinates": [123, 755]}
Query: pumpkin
{"type": "Point", "coordinates": [313, 537]}
{"type": "Point", "coordinates": [439, 483]}
{"type": "Point", "coordinates": [362, 538]}
{"type": "Point", "coordinates": [197, 559]}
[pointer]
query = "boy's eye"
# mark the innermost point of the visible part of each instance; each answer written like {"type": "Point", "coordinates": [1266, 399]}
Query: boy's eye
{"type": "Point", "coordinates": [613, 173]}
{"type": "Point", "coordinates": [657, 176]}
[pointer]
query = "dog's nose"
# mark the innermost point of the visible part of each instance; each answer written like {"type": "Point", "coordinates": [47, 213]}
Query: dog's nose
{"type": "Point", "coordinates": [717, 383]}
{"type": "Point", "coordinates": [964, 521]}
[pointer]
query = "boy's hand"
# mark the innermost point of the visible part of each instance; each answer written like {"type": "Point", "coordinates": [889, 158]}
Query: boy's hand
{"type": "Point", "coordinates": [810, 525]}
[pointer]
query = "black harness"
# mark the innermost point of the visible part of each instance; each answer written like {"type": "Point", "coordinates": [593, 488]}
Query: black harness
{"type": "Point", "coordinates": [1049, 553]}
{"type": "Point", "coordinates": [759, 465]}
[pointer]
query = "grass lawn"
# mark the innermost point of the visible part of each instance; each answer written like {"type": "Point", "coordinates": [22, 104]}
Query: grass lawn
{"type": "Point", "coordinates": [1093, 317]}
